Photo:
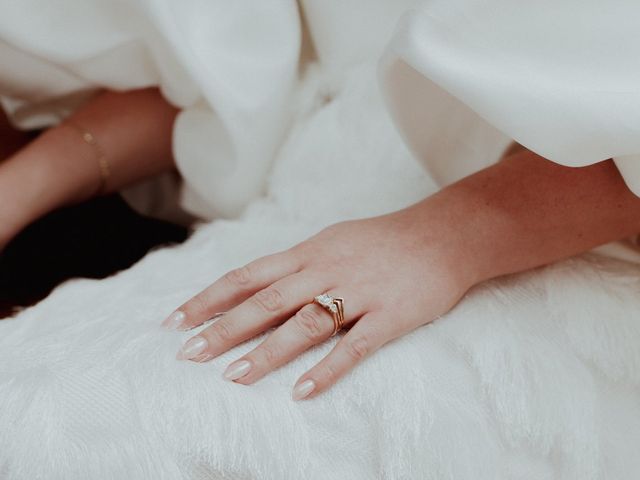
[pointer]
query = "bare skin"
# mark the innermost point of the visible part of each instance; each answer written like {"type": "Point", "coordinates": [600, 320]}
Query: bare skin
{"type": "Point", "coordinates": [519, 214]}
{"type": "Point", "coordinates": [59, 168]}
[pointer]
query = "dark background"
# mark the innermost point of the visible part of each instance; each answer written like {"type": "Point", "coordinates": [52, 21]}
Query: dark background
{"type": "Point", "coordinates": [91, 240]}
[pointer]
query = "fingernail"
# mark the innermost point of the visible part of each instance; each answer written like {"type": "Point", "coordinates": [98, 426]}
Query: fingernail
{"type": "Point", "coordinates": [303, 390]}
{"type": "Point", "coordinates": [237, 370]}
{"type": "Point", "coordinates": [194, 347]}
{"type": "Point", "coordinates": [174, 321]}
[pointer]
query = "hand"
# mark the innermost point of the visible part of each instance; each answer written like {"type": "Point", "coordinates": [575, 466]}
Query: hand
{"type": "Point", "coordinates": [402, 270]}
{"type": "Point", "coordinates": [395, 272]}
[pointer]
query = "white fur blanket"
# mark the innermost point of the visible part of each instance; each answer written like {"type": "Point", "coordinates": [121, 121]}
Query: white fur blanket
{"type": "Point", "coordinates": [535, 377]}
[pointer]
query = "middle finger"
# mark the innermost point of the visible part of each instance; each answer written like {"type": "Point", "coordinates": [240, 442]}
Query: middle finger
{"type": "Point", "coordinates": [265, 309]}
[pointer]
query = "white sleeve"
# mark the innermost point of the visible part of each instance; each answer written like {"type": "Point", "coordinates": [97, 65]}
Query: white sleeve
{"type": "Point", "coordinates": [561, 78]}
{"type": "Point", "coordinates": [229, 66]}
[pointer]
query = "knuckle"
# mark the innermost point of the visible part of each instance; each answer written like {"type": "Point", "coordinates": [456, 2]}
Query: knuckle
{"type": "Point", "coordinates": [329, 374]}
{"type": "Point", "coordinates": [358, 348]}
{"type": "Point", "coordinates": [239, 277]}
{"type": "Point", "coordinates": [270, 354]}
{"type": "Point", "coordinates": [299, 254]}
{"type": "Point", "coordinates": [199, 304]}
{"type": "Point", "coordinates": [222, 331]}
{"type": "Point", "coordinates": [310, 324]}
{"type": "Point", "coordinates": [269, 300]}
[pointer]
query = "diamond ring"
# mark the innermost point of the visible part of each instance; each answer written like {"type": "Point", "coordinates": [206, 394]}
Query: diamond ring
{"type": "Point", "coordinates": [335, 306]}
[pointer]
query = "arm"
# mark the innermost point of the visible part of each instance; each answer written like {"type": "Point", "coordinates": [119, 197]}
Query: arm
{"type": "Point", "coordinates": [527, 211]}
{"type": "Point", "coordinates": [60, 168]}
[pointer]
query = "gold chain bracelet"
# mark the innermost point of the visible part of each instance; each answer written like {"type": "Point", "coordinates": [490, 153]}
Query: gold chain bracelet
{"type": "Point", "coordinates": [103, 164]}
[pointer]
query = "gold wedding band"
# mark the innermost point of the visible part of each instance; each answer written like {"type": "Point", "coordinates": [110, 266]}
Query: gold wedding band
{"type": "Point", "coordinates": [335, 306]}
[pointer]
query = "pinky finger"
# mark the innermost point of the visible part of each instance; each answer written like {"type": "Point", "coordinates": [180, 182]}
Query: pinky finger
{"type": "Point", "coordinates": [366, 336]}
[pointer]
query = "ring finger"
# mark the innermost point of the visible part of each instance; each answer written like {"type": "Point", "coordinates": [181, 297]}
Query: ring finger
{"type": "Point", "coordinates": [311, 325]}
{"type": "Point", "coordinates": [261, 311]}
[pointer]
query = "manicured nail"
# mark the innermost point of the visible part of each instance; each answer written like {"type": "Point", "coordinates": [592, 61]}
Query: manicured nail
{"type": "Point", "coordinates": [303, 390]}
{"type": "Point", "coordinates": [237, 370]}
{"type": "Point", "coordinates": [175, 320]}
{"type": "Point", "coordinates": [194, 347]}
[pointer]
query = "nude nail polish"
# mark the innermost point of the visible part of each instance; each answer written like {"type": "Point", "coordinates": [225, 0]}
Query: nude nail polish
{"type": "Point", "coordinates": [237, 370]}
{"type": "Point", "coordinates": [194, 347]}
{"type": "Point", "coordinates": [303, 390]}
{"type": "Point", "coordinates": [174, 321]}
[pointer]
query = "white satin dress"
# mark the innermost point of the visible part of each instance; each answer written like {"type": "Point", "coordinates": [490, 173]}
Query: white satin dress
{"type": "Point", "coordinates": [463, 78]}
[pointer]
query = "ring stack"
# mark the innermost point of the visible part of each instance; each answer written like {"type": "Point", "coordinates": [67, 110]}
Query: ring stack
{"type": "Point", "coordinates": [335, 306]}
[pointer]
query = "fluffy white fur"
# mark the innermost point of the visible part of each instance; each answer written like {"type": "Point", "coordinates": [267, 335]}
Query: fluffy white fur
{"type": "Point", "coordinates": [535, 377]}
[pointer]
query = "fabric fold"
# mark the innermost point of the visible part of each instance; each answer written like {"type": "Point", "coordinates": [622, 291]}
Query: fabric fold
{"type": "Point", "coordinates": [229, 67]}
{"type": "Point", "coordinates": [559, 78]}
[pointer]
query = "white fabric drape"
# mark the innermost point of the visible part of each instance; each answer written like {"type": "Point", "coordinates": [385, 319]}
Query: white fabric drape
{"type": "Point", "coordinates": [463, 77]}
{"type": "Point", "coordinates": [561, 78]}
{"type": "Point", "coordinates": [229, 66]}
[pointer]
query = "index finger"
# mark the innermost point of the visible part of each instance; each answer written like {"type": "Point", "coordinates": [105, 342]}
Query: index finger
{"type": "Point", "coordinates": [232, 289]}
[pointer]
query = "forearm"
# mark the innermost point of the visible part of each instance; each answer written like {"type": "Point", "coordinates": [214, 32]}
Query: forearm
{"type": "Point", "coordinates": [527, 211]}
{"type": "Point", "coordinates": [133, 130]}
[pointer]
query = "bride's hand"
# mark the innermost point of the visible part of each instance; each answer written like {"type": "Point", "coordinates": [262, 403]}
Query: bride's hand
{"type": "Point", "coordinates": [394, 272]}
{"type": "Point", "coordinates": [402, 270]}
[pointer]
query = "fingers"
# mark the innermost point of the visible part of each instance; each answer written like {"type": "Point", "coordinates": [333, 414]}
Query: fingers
{"type": "Point", "coordinates": [260, 295]}
{"type": "Point", "coordinates": [309, 326]}
{"type": "Point", "coordinates": [231, 289]}
{"type": "Point", "coordinates": [263, 310]}
{"type": "Point", "coordinates": [367, 335]}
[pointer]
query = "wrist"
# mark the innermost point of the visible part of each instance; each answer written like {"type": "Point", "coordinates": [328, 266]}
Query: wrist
{"type": "Point", "coordinates": [466, 234]}
{"type": "Point", "coordinates": [440, 225]}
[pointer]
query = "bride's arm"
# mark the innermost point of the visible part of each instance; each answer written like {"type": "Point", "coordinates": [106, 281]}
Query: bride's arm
{"type": "Point", "coordinates": [402, 270]}
{"type": "Point", "coordinates": [527, 211]}
{"type": "Point", "coordinates": [133, 130]}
